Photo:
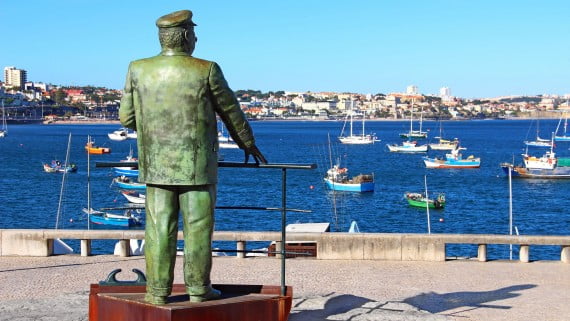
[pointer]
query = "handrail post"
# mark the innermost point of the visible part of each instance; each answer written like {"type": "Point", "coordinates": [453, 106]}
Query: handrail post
{"type": "Point", "coordinates": [283, 226]}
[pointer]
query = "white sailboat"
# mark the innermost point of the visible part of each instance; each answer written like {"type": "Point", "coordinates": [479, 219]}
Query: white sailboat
{"type": "Point", "coordinates": [444, 144]}
{"type": "Point", "coordinates": [415, 133]}
{"type": "Point", "coordinates": [538, 142]}
{"type": "Point", "coordinates": [4, 129]}
{"type": "Point", "coordinates": [225, 141]}
{"type": "Point", "coordinates": [356, 139]}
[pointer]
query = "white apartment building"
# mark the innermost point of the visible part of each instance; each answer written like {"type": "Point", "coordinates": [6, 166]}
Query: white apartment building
{"type": "Point", "coordinates": [15, 77]}
{"type": "Point", "coordinates": [445, 94]}
{"type": "Point", "coordinates": [412, 90]}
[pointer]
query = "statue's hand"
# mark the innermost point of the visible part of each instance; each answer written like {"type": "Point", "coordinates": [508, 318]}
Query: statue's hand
{"type": "Point", "coordinates": [257, 156]}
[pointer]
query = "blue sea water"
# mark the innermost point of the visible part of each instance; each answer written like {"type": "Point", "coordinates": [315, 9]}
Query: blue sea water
{"type": "Point", "coordinates": [477, 199]}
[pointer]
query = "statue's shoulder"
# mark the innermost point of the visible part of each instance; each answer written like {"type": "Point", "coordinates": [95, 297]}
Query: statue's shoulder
{"type": "Point", "coordinates": [202, 62]}
{"type": "Point", "coordinates": [141, 63]}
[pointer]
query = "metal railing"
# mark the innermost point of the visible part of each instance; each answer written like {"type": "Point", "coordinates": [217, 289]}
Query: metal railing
{"type": "Point", "coordinates": [283, 209]}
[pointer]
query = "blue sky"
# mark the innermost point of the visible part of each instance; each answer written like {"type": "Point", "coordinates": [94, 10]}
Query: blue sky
{"type": "Point", "coordinates": [477, 48]}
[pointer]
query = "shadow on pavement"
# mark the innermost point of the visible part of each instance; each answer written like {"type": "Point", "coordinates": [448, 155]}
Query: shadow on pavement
{"type": "Point", "coordinates": [320, 309]}
{"type": "Point", "coordinates": [435, 302]}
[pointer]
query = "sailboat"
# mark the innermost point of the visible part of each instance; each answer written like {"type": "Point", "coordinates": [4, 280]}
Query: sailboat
{"type": "Point", "coordinates": [4, 129]}
{"type": "Point", "coordinates": [564, 137]}
{"type": "Point", "coordinates": [415, 133]}
{"type": "Point", "coordinates": [538, 142]}
{"type": "Point", "coordinates": [225, 141]}
{"type": "Point", "coordinates": [444, 144]}
{"type": "Point", "coordinates": [356, 139]}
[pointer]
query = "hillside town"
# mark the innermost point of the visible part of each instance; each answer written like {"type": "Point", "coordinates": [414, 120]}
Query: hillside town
{"type": "Point", "coordinates": [38, 101]}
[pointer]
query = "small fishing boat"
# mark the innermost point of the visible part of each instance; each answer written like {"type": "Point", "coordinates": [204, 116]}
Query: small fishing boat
{"type": "Point", "coordinates": [420, 200]}
{"type": "Point", "coordinates": [126, 171]}
{"type": "Point", "coordinates": [130, 217]}
{"type": "Point", "coordinates": [92, 149]}
{"type": "Point", "coordinates": [453, 160]}
{"type": "Point", "coordinates": [118, 135]}
{"type": "Point", "coordinates": [134, 197]}
{"type": "Point", "coordinates": [124, 182]}
{"type": "Point", "coordinates": [337, 179]}
{"type": "Point", "coordinates": [57, 167]}
{"type": "Point", "coordinates": [408, 147]}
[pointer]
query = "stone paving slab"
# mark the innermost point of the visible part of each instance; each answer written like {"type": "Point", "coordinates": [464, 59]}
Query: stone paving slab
{"type": "Point", "coordinates": [56, 288]}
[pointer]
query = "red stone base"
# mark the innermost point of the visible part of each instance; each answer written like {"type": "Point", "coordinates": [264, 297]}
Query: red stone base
{"type": "Point", "coordinates": [238, 303]}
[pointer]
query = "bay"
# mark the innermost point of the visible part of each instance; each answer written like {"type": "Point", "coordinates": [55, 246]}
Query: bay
{"type": "Point", "coordinates": [477, 199]}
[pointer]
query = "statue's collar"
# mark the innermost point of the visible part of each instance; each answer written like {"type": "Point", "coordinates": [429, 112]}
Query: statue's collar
{"type": "Point", "coordinates": [170, 52]}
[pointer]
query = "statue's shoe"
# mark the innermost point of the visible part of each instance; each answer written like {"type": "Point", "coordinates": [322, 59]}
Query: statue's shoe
{"type": "Point", "coordinates": [212, 294]}
{"type": "Point", "coordinates": [158, 300]}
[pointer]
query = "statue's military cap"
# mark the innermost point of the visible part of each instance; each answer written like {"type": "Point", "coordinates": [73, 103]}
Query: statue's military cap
{"type": "Point", "coordinates": [176, 19]}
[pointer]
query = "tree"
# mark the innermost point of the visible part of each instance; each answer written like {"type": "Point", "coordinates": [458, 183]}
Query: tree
{"type": "Point", "coordinates": [60, 96]}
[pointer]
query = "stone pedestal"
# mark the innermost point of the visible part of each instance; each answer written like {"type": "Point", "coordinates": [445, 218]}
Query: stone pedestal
{"type": "Point", "coordinates": [238, 303]}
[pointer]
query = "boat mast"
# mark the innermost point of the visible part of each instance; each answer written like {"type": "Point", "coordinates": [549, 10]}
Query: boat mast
{"type": "Point", "coordinates": [62, 183]}
{"type": "Point", "coordinates": [411, 119]}
{"type": "Point", "coordinates": [88, 186]}
{"type": "Point", "coordinates": [427, 205]}
{"type": "Point", "coordinates": [335, 213]}
{"type": "Point", "coordinates": [510, 212]}
{"type": "Point", "coordinates": [363, 119]}
{"type": "Point", "coordinates": [4, 124]}
{"type": "Point", "coordinates": [421, 118]}
{"type": "Point", "coordinates": [351, 112]}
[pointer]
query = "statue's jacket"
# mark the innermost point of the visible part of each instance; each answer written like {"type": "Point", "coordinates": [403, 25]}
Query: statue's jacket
{"type": "Point", "coordinates": [172, 102]}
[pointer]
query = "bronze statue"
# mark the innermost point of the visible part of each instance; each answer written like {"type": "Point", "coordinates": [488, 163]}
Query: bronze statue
{"type": "Point", "coordinates": [171, 100]}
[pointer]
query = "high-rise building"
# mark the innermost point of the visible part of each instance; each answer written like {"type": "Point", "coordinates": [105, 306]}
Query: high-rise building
{"type": "Point", "coordinates": [15, 77]}
{"type": "Point", "coordinates": [445, 94]}
{"type": "Point", "coordinates": [412, 90]}
{"type": "Point", "coordinates": [444, 91]}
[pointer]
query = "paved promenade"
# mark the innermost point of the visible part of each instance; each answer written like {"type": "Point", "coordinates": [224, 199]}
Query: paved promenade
{"type": "Point", "coordinates": [56, 288]}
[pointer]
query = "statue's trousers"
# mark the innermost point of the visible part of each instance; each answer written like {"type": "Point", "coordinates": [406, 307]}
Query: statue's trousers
{"type": "Point", "coordinates": [163, 203]}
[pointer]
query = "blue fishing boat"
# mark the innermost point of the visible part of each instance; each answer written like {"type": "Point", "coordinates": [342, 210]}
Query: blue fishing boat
{"type": "Point", "coordinates": [126, 171]}
{"type": "Point", "coordinates": [337, 179]}
{"type": "Point", "coordinates": [453, 160]}
{"type": "Point", "coordinates": [124, 182]}
{"type": "Point", "coordinates": [129, 218]}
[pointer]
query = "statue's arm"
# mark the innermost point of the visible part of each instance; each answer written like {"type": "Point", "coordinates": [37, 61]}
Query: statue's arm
{"type": "Point", "coordinates": [127, 109]}
{"type": "Point", "coordinates": [227, 107]}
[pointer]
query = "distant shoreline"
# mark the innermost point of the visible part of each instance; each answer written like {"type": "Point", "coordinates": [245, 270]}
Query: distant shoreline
{"type": "Point", "coordinates": [82, 122]}
{"type": "Point", "coordinates": [117, 122]}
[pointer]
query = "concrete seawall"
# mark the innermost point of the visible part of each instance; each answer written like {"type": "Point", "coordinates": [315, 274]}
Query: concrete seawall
{"type": "Point", "coordinates": [330, 246]}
